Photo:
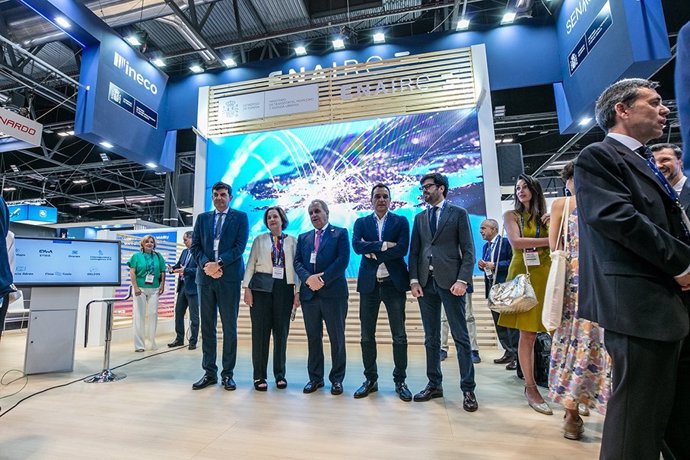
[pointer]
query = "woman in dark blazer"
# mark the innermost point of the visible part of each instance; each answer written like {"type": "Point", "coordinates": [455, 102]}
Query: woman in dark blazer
{"type": "Point", "coordinates": [271, 290]}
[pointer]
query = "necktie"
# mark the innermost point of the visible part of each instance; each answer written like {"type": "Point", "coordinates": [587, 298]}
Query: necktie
{"type": "Point", "coordinates": [433, 220]}
{"type": "Point", "coordinates": [188, 255]}
{"type": "Point", "coordinates": [317, 240]}
{"type": "Point", "coordinates": [220, 217]}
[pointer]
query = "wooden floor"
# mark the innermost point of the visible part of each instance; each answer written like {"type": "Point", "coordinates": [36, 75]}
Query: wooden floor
{"type": "Point", "coordinates": [154, 413]}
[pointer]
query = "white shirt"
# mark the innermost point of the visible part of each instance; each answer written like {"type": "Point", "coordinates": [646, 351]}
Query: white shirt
{"type": "Point", "coordinates": [679, 185]}
{"type": "Point", "coordinates": [382, 271]}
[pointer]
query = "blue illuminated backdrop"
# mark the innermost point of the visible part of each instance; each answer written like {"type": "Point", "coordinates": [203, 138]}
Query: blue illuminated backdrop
{"type": "Point", "coordinates": [340, 162]}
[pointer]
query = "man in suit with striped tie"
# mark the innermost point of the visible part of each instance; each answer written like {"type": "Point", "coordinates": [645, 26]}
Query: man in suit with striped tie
{"type": "Point", "coordinates": [219, 239]}
{"type": "Point", "coordinates": [187, 295]}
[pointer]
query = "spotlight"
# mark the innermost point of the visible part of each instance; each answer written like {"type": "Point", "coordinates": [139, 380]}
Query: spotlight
{"type": "Point", "coordinates": [104, 156]}
{"type": "Point", "coordinates": [508, 17]}
{"type": "Point", "coordinates": [62, 22]}
{"type": "Point", "coordinates": [79, 181]}
{"type": "Point", "coordinates": [14, 168]}
{"type": "Point", "coordinates": [133, 40]}
{"type": "Point", "coordinates": [107, 145]}
{"type": "Point", "coordinates": [229, 62]}
{"type": "Point", "coordinates": [379, 37]}
{"type": "Point", "coordinates": [151, 165]}
{"type": "Point", "coordinates": [507, 140]}
{"type": "Point", "coordinates": [584, 121]}
{"type": "Point", "coordinates": [9, 189]}
{"type": "Point", "coordinates": [463, 24]}
{"type": "Point", "coordinates": [338, 44]}
{"type": "Point", "coordinates": [300, 50]}
{"type": "Point", "coordinates": [63, 134]}
{"type": "Point", "coordinates": [158, 62]}
{"type": "Point", "coordinates": [196, 68]}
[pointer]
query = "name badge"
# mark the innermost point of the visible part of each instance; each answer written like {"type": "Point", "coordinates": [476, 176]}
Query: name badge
{"type": "Point", "coordinates": [149, 278]}
{"type": "Point", "coordinates": [278, 272]}
{"type": "Point", "coordinates": [531, 257]}
{"type": "Point", "coordinates": [216, 243]}
{"type": "Point", "coordinates": [489, 272]}
{"type": "Point", "coordinates": [312, 259]}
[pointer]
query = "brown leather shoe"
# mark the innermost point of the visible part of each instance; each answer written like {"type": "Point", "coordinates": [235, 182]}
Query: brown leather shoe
{"type": "Point", "coordinates": [574, 430]}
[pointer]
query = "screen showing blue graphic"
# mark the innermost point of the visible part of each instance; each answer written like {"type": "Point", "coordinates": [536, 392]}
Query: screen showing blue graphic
{"type": "Point", "coordinates": [62, 262]}
{"type": "Point", "coordinates": [340, 162]}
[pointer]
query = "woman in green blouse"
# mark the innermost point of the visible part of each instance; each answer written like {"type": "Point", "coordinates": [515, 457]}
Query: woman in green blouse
{"type": "Point", "coordinates": [147, 272]}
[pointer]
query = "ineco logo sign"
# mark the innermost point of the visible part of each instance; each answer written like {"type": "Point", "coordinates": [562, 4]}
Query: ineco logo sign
{"type": "Point", "coordinates": [123, 64]}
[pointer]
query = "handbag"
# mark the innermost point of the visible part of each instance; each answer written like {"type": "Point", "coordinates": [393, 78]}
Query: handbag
{"type": "Point", "coordinates": [552, 314]}
{"type": "Point", "coordinates": [262, 282]}
{"type": "Point", "coordinates": [514, 296]}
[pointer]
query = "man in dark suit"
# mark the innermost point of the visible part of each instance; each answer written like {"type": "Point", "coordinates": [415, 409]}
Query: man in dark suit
{"type": "Point", "coordinates": [382, 238]}
{"type": "Point", "coordinates": [441, 265]}
{"type": "Point", "coordinates": [496, 256]}
{"type": "Point", "coordinates": [634, 267]}
{"type": "Point", "coordinates": [321, 258]}
{"type": "Point", "coordinates": [669, 160]}
{"type": "Point", "coordinates": [187, 295]}
{"type": "Point", "coordinates": [6, 277]}
{"type": "Point", "coordinates": [218, 242]}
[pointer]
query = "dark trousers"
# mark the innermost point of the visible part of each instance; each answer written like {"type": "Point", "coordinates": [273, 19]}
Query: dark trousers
{"type": "Point", "coordinates": [4, 306]}
{"type": "Point", "coordinates": [643, 390]}
{"type": "Point", "coordinates": [332, 311]}
{"type": "Point", "coordinates": [677, 436]}
{"type": "Point", "coordinates": [507, 336]}
{"type": "Point", "coordinates": [369, 304]}
{"type": "Point", "coordinates": [224, 299]}
{"type": "Point", "coordinates": [271, 312]}
{"type": "Point", "coordinates": [430, 307]}
{"type": "Point", "coordinates": [183, 302]}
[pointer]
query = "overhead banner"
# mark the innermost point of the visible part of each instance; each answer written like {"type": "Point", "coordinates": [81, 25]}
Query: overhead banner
{"type": "Point", "coordinates": [20, 128]}
{"type": "Point", "coordinates": [286, 101]}
{"type": "Point", "coordinates": [33, 214]}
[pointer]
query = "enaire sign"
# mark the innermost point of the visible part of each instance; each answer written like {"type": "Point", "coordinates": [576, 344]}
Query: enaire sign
{"type": "Point", "coordinates": [20, 128]}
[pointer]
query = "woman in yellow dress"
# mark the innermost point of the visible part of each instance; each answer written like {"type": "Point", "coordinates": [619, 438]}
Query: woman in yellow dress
{"type": "Point", "coordinates": [528, 233]}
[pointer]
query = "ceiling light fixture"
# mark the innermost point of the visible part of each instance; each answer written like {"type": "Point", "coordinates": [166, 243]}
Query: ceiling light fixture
{"type": "Point", "coordinates": [158, 62]}
{"type": "Point", "coordinates": [584, 121]}
{"type": "Point", "coordinates": [338, 44]}
{"type": "Point", "coordinates": [300, 50]}
{"type": "Point", "coordinates": [107, 145]}
{"type": "Point", "coordinates": [151, 165]}
{"type": "Point", "coordinates": [229, 62]}
{"type": "Point", "coordinates": [104, 156]}
{"type": "Point", "coordinates": [14, 168]}
{"type": "Point", "coordinates": [507, 140]}
{"type": "Point", "coordinates": [62, 22]}
{"type": "Point", "coordinates": [79, 181]}
{"type": "Point", "coordinates": [196, 68]}
{"type": "Point", "coordinates": [508, 17]}
{"type": "Point", "coordinates": [463, 24]}
{"type": "Point", "coordinates": [379, 37]}
{"type": "Point", "coordinates": [9, 189]}
{"type": "Point", "coordinates": [133, 40]}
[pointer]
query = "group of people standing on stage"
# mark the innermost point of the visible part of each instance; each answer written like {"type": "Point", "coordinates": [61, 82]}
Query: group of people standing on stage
{"type": "Point", "coordinates": [621, 347]}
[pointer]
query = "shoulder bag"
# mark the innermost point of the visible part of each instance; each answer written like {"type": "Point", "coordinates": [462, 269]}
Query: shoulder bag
{"type": "Point", "coordinates": [552, 314]}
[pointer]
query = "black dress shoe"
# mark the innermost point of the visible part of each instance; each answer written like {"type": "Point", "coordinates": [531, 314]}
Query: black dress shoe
{"type": "Point", "coordinates": [511, 366]}
{"type": "Point", "coordinates": [192, 346]}
{"type": "Point", "coordinates": [176, 343]}
{"type": "Point", "coordinates": [367, 387]}
{"type": "Point", "coordinates": [204, 382]}
{"type": "Point", "coordinates": [229, 384]}
{"type": "Point", "coordinates": [505, 359]}
{"type": "Point", "coordinates": [428, 393]}
{"type": "Point", "coordinates": [403, 391]}
{"type": "Point", "coordinates": [469, 401]}
{"type": "Point", "coordinates": [337, 388]}
{"type": "Point", "coordinates": [311, 387]}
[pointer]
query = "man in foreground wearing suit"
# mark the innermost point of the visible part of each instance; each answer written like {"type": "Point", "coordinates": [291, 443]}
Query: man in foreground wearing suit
{"type": "Point", "coordinates": [496, 256]}
{"type": "Point", "coordinates": [321, 258]}
{"type": "Point", "coordinates": [187, 295]}
{"type": "Point", "coordinates": [634, 267]}
{"type": "Point", "coordinates": [441, 265]}
{"type": "Point", "coordinates": [382, 238]}
{"type": "Point", "coordinates": [218, 243]}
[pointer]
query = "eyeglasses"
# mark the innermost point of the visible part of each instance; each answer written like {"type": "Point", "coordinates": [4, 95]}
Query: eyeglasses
{"type": "Point", "coordinates": [426, 187]}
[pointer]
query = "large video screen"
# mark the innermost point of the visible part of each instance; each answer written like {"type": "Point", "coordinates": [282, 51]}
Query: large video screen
{"type": "Point", "coordinates": [63, 262]}
{"type": "Point", "coordinates": [340, 162]}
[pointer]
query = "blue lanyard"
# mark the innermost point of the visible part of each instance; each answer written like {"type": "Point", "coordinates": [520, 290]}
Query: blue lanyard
{"type": "Point", "coordinates": [522, 224]}
{"type": "Point", "coordinates": [669, 191]}
{"type": "Point", "coordinates": [276, 255]}
{"type": "Point", "coordinates": [383, 226]}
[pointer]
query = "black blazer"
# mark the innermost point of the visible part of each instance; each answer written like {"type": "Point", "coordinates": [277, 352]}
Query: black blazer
{"type": "Point", "coordinates": [189, 281]}
{"type": "Point", "coordinates": [332, 259]}
{"type": "Point", "coordinates": [503, 257]}
{"type": "Point", "coordinates": [365, 240]}
{"type": "Point", "coordinates": [233, 241]}
{"type": "Point", "coordinates": [630, 246]}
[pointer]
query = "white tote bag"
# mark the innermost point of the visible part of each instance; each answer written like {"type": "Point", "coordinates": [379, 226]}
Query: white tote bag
{"type": "Point", "coordinates": [552, 314]}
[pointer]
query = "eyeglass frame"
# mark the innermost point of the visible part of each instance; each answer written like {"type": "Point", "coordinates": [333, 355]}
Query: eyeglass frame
{"type": "Point", "coordinates": [427, 187]}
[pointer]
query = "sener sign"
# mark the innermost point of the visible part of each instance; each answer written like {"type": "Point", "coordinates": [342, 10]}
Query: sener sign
{"type": "Point", "coordinates": [20, 128]}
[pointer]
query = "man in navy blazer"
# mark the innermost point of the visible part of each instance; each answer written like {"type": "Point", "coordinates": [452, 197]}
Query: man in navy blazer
{"type": "Point", "coordinates": [496, 256]}
{"type": "Point", "coordinates": [219, 239]}
{"type": "Point", "coordinates": [382, 238]}
{"type": "Point", "coordinates": [321, 258]}
{"type": "Point", "coordinates": [187, 295]}
{"type": "Point", "coordinates": [634, 267]}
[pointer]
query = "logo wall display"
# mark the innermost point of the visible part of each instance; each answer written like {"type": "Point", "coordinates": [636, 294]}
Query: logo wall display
{"type": "Point", "coordinates": [123, 64]}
